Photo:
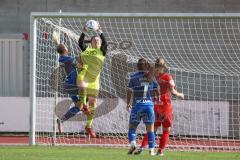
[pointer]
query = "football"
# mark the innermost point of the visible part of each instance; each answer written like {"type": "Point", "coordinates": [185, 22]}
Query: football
{"type": "Point", "coordinates": [92, 25]}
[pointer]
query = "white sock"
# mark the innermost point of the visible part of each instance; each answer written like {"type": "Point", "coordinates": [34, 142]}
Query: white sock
{"type": "Point", "coordinates": [133, 143]}
{"type": "Point", "coordinates": [151, 149]}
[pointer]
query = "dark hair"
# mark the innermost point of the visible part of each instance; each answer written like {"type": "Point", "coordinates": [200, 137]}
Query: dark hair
{"type": "Point", "coordinates": [142, 63]}
{"type": "Point", "coordinates": [61, 48]}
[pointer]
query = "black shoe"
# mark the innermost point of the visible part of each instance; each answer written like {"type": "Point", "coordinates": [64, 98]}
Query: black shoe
{"type": "Point", "coordinates": [132, 149]}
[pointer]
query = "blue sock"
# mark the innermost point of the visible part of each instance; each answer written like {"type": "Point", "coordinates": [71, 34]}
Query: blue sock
{"type": "Point", "coordinates": [151, 139]}
{"type": "Point", "coordinates": [70, 113]}
{"type": "Point", "coordinates": [131, 135]}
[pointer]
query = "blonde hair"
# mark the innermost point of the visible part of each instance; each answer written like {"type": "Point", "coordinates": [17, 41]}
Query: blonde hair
{"type": "Point", "coordinates": [160, 62]}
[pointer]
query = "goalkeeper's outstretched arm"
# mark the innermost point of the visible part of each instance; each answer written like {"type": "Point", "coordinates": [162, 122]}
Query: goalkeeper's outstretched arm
{"type": "Point", "coordinates": [104, 42]}
{"type": "Point", "coordinates": [81, 42]}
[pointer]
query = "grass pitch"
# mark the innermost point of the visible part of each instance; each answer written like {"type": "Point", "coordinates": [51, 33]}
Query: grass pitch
{"type": "Point", "coordinates": [87, 153]}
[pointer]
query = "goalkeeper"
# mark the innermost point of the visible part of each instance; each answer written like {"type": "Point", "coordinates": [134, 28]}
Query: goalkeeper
{"type": "Point", "coordinates": [70, 66]}
{"type": "Point", "coordinates": [89, 76]}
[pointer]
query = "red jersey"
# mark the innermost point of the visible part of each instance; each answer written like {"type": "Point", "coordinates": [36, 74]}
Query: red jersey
{"type": "Point", "coordinates": [165, 82]}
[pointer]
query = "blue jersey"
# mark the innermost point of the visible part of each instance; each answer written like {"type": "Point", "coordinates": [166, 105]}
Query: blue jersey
{"type": "Point", "coordinates": [70, 69]}
{"type": "Point", "coordinates": [142, 89]}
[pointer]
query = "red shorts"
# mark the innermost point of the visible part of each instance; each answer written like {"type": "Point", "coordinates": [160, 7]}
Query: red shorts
{"type": "Point", "coordinates": [163, 116]}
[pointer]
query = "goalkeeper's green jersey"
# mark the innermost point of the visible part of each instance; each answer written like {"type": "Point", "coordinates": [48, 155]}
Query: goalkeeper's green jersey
{"type": "Point", "coordinates": [93, 60]}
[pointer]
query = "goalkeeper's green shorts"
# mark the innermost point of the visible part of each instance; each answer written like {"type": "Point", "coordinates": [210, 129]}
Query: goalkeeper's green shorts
{"type": "Point", "coordinates": [91, 87]}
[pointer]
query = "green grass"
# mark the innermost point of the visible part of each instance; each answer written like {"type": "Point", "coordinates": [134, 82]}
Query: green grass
{"type": "Point", "coordinates": [85, 153]}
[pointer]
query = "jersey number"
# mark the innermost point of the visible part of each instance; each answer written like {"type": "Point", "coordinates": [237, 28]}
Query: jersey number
{"type": "Point", "coordinates": [145, 85]}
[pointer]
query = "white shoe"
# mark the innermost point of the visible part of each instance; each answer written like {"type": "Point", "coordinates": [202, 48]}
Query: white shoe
{"type": "Point", "coordinates": [151, 153]}
{"type": "Point", "coordinates": [160, 153]}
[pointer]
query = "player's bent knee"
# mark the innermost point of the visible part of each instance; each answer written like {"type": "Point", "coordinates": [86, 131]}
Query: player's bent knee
{"type": "Point", "coordinates": [78, 104]}
{"type": "Point", "coordinates": [92, 100]}
{"type": "Point", "coordinates": [133, 126]}
{"type": "Point", "coordinates": [150, 127]}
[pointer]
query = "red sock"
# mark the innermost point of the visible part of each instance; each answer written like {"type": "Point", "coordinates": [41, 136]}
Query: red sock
{"type": "Point", "coordinates": [164, 140]}
{"type": "Point", "coordinates": [145, 141]}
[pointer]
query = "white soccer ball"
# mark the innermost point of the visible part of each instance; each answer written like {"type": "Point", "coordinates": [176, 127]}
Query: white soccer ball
{"type": "Point", "coordinates": [92, 25]}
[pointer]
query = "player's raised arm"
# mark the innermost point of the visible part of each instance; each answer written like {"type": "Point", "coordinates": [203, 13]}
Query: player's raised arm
{"type": "Point", "coordinates": [104, 42]}
{"type": "Point", "coordinates": [81, 42]}
{"type": "Point", "coordinates": [56, 38]}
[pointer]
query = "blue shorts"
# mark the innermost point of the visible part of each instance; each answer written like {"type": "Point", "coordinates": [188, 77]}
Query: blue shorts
{"type": "Point", "coordinates": [75, 98]}
{"type": "Point", "coordinates": [142, 112]}
{"type": "Point", "coordinates": [71, 88]}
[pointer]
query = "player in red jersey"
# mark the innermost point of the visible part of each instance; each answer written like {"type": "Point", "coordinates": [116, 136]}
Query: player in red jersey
{"type": "Point", "coordinates": [163, 107]}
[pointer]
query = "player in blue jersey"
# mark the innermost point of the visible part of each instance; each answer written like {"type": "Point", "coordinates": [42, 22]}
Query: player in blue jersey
{"type": "Point", "coordinates": [141, 89]}
{"type": "Point", "coordinates": [70, 65]}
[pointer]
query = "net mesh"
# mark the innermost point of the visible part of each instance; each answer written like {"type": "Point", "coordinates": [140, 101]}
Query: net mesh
{"type": "Point", "coordinates": [203, 57]}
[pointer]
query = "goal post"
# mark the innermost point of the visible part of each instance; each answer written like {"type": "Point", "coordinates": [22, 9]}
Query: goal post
{"type": "Point", "coordinates": [33, 39]}
{"type": "Point", "coordinates": [202, 52]}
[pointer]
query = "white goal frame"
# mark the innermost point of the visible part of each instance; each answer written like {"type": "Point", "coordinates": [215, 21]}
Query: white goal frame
{"type": "Point", "coordinates": [33, 41]}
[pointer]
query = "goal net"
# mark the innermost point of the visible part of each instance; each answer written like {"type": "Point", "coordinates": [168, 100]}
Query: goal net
{"type": "Point", "coordinates": [202, 53]}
